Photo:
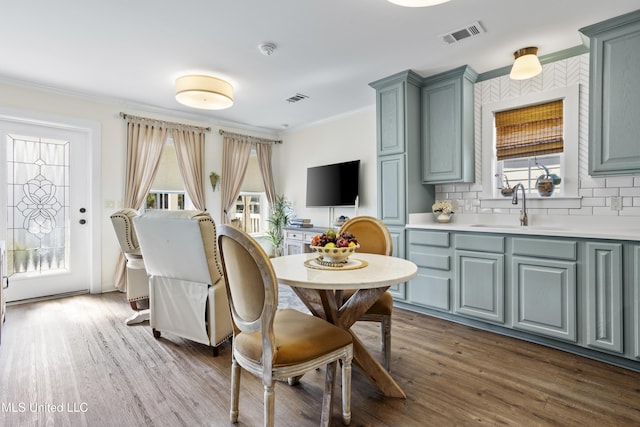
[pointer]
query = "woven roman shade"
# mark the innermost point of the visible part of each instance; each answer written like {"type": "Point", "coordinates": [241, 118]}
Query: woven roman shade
{"type": "Point", "coordinates": [529, 131]}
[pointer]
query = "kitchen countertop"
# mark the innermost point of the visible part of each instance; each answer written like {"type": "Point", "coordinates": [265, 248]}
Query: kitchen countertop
{"type": "Point", "coordinates": [597, 227]}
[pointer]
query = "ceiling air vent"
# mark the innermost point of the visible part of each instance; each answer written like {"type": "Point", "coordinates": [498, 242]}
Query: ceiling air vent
{"type": "Point", "coordinates": [470, 30]}
{"type": "Point", "coordinates": [297, 97]}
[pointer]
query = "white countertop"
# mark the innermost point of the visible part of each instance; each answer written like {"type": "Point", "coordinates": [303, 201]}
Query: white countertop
{"type": "Point", "coordinates": [597, 227]}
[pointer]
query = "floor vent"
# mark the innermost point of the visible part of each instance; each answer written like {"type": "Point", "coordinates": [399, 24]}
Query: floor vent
{"type": "Point", "coordinates": [297, 97]}
{"type": "Point", "coordinates": [470, 30]}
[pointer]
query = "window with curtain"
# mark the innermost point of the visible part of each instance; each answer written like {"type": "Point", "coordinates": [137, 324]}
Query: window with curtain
{"type": "Point", "coordinates": [251, 209]}
{"type": "Point", "coordinates": [168, 191]}
{"type": "Point", "coordinates": [526, 138]}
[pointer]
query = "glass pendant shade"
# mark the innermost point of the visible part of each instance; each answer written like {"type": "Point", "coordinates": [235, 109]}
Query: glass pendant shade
{"type": "Point", "coordinates": [204, 92]}
{"type": "Point", "coordinates": [526, 64]}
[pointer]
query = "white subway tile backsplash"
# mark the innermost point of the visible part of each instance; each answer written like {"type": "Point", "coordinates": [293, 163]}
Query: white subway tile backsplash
{"type": "Point", "coordinates": [594, 201]}
{"type": "Point", "coordinates": [620, 181]}
{"type": "Point", "coordinates": [630, 191]}
{"type": "Point", "coordinates": [605, 192]}
{"type": "Point", "coordinates": [589, 182]}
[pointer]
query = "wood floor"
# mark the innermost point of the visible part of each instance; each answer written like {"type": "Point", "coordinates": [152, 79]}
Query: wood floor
{"type": "Point", "coordinates": [73, 362]}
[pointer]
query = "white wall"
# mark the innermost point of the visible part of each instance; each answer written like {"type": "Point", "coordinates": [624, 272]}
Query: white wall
{"type": "Point", "coordinates": [349, 137]}
{"type": "Point", "coordinates": [113, 152]}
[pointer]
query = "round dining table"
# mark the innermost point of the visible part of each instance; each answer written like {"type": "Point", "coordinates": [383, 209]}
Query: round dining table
{"type": "Point", "coordinates": [320, 287]}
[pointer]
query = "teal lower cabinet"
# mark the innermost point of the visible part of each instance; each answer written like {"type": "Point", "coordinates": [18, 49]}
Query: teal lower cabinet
{"type": "Point", "coordinates": [633, 294]}
{"type": "Point", "coordinates": [581, 295]}
{"type": "Point", "coordinates": [544, 297]}
{"type": "Point", "coordinates": [604, 305]}
{"type": "Point", "coordinates": [431, 252]}
{"type": "Point", "coordinates": [479, 285]}
{"type": "Point", "coordinates": [479, 277]}
{"type": "Point", "coordinates": [397, 240]}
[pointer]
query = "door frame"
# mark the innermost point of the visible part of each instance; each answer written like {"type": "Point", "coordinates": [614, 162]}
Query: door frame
{"type": "Point", "coordinates": [92, 129]}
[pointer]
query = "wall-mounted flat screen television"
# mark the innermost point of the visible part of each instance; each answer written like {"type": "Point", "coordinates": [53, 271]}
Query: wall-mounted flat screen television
{"type": "Point", "coordinates": [333, 185]}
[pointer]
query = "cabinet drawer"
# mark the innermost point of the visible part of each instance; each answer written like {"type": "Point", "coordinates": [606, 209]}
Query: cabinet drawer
{"type": "Point", "coordinates": [295, 235]}
{"type": "Point", "coordinates": [430, 260]}
{"type": "Point", "coordinates": [477, 242]}
{"type": "Point", "coordinates": [545, 248]}
{"type": "Point", "coordinates": [429, 238]}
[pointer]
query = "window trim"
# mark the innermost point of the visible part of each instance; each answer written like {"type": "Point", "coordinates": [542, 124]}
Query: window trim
{"type": "Point", "coordinates": [570, 179]}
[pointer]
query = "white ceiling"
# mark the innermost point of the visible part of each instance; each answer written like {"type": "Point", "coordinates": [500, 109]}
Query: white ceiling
{"type": "Point", "coordinates": [132, 51]}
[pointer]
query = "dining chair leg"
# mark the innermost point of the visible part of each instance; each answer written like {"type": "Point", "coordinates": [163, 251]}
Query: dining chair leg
{"type": "Point", "coordinates": [269, 404]}
{"type": "Point", "coordinates": [235, 390]}
{"type": "Point", "coordinates": [327, 398]}
{"type": "Point", "coordinates": [346, 390]}
{"type": "Point", "coordinates": [386, 342]}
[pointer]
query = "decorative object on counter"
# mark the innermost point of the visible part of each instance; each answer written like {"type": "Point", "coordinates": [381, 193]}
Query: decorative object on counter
{"type": "Point", "coordinates": [333, 248]}
{"type": "Point", "coordinates": [546, 183]}
{"type": "Point", "coordinates": [301, 223]}
{"type": "Point", "coordinates": [340, 220]}
{"type": "Point", "coordinates": [442, 209]}
{"type": "Point", "coordinates": [214, 178]}
{"type": "Point", "coordinates": [503, 185]}
{"type": "Point", "coordinates": [281, 211]}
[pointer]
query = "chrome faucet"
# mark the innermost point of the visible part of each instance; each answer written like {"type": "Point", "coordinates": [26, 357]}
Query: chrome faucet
{"type": "Point", "coordinates": [524, 220]}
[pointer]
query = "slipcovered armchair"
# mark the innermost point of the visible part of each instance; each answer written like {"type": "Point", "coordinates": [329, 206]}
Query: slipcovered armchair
{"type": "Point", "coordinates": [136, 274]}
{"type": "Point", "coordinates": [374, 238]}
{"type": "Point", "coordinates": [187, 291]}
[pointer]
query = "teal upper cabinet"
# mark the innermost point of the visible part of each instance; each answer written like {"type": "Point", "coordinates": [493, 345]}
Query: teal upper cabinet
{"type": "Point", "coordinates": [447, 127]}
{"type": "Point", "coordinates": [614, 104]}
{"type": "Point", "coordinates": [400, 188]}
{"type": "Point", "coordinates": [397, 115]}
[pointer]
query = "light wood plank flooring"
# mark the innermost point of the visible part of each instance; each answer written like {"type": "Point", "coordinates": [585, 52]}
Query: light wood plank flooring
{"type": "Point", "coordinates": [76, 355]}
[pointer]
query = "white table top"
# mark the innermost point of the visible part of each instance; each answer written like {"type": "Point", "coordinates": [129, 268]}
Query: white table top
{"type": "Point", "coordinates": [381, 271]}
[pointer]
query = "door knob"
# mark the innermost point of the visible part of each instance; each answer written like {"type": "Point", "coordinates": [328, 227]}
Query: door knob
{"type": "Point", "coordinates": [82, 210]}
{"type": "Point", "coordinates": [83, 221]}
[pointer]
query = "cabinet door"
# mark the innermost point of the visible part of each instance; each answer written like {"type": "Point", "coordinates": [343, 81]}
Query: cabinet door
{"type": "Point", "coordinates": [293, 248]}
{"type": "Point", "coordinates": [441, 154]}
{"type": "Point", "coordinates": [391, 185]}
{"type": "Point", "coordinates": [635, 291]}
{"type": "Point", "coordinates": [479, 285]}
{"type": "Point", "coordinates": [614, 92]}
{"type": "Point", "coordinates": [398, 241]}
{"type": "Point", "coordinates": [544, 297]}
{"type": "Point", "coordinates": [604, 296]}
{"type": "Point", "coordinates": [390, 103]}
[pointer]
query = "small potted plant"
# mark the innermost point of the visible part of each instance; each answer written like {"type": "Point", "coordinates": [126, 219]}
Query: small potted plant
{"type": "Point", "coordinates": [443, 209]}
{"type": "Point", "coordinates": [281, 212]}
{"type": "Point", "coordinates": [546, 183]}
{"type": "Point", "coordinates": [505, 189]}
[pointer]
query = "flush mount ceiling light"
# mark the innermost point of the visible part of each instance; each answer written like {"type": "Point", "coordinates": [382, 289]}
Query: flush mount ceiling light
{"type": "Point", "coordinates": [204, 92]}
{"type": "Point", "coordinates": [417, 3]}
{"type": "Point", "coordinates": [526, 64]}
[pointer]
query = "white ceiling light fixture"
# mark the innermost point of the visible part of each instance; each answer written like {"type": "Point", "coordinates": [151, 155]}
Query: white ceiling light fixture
{"type": "Point", "coordinates": [417, 3]}
{"type": "Point", "coordinates": [526, 64]}
{"type": "Point", "coordinates": [204, 92]}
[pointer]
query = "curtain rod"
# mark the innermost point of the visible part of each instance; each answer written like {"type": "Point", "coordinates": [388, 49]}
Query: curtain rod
{"type": "Point", "coordinates": [251, 138]}
{"type": "Point", "coordinates": [164, 122]}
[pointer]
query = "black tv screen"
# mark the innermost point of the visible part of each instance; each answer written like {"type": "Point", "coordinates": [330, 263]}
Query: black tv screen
{"type": "Point", "coordinates": [333, 185]}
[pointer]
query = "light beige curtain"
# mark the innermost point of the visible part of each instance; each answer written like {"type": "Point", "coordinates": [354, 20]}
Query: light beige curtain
{"type": "Point", "coordinates": [190, 153]}
{"type": "Point", "coordinates": [235, 157]}
{"type": "Point", "coordinates": [263, 152]}
{"type": "Point", "coordinates": [145, 140]}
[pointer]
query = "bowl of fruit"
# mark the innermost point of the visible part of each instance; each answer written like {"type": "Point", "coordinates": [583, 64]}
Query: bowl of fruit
{"type": "Point", "coordinates": [333, 247]}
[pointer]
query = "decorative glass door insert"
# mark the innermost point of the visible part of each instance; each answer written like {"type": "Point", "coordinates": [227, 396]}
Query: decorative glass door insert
{"type": "Point", "coordinates": [38, 205]}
